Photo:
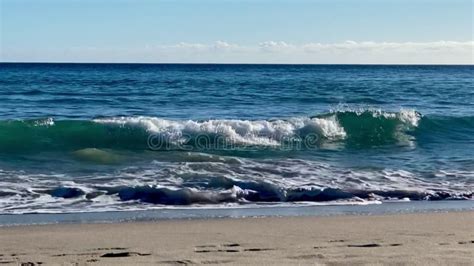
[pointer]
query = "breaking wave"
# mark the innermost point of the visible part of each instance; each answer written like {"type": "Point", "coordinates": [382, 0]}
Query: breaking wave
{"type": "Point", "coordinates": [351, 128]}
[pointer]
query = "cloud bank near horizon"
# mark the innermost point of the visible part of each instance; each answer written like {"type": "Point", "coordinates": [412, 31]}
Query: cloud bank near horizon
{"type": "Point", "coordinates": [348, 52]}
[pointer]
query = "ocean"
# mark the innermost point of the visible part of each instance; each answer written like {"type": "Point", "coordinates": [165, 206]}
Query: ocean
{"type": "Point", "coordinates": [80, 138]}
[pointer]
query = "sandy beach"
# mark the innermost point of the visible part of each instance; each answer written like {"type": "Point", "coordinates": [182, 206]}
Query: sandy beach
{"type": "Point", "coordinates": [422, 239]}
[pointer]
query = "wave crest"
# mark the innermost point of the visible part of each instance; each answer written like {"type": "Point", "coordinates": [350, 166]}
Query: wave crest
{"type": "Point", "coordinates": [365, 128]}
{"type": "Point", "coordinates": [369, 127]}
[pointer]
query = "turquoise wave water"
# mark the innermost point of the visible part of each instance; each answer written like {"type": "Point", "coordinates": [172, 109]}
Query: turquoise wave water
{"type": "Point", "coordinates": [353, 129]}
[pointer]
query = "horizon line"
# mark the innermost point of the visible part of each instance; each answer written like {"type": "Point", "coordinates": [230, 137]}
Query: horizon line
{"type": "Point", "coordinates": [233, 63]}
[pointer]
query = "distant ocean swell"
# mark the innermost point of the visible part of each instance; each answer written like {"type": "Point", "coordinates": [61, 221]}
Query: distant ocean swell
{"type": "Point", "coordinates": [352, 129]}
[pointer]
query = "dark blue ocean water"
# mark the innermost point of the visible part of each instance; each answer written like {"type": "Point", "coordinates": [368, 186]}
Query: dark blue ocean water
{"type": "Point", "coordinates": [97, 137]}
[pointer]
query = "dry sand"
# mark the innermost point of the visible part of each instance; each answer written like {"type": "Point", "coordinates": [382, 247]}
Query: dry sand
{"type": "Point", "coordinates": [423, 239]}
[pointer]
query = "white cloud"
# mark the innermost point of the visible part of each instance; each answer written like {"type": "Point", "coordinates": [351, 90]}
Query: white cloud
{"type": "Point", "coordinates": [438, 52]}
{"type": "Point", "coordinates": [272, 46]}
{"type": "Point", "coordinates": [223, 45]}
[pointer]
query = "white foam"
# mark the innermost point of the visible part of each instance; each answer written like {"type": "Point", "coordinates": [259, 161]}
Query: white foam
{"type": "Point", "coordinates": [409, 116]}
{"type": "Point", "coordinates": [252, 132]}
{"type": "Point", "coordinates": [217, 179]}
{"type": "Point", "coordinates": [44, 122]}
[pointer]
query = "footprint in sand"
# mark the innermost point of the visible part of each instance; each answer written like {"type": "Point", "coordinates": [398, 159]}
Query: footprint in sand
{"type": "Point", "coordinates": [234, 248]}
{"type": "Point", "coordinates": [258, 249]}
{"type": "Point", "coordinates": [123, 254]}
{"type": "Point", "coordinates": [372, 245]}
{"type": "Point", "coordinates": [231, 245]}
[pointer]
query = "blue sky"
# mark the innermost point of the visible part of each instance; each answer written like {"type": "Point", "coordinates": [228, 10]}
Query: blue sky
{"type": "Point", "coordinates": [238, 31]}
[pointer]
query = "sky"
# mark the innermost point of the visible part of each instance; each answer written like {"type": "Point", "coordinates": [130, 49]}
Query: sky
{"type": "Point", "coordinates": [231, 31]}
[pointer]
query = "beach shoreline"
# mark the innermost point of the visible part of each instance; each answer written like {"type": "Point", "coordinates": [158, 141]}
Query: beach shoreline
{"type": "Point", "coordinates": [414, 238]}
{"type": "Point", "coordinates": [237, 211]}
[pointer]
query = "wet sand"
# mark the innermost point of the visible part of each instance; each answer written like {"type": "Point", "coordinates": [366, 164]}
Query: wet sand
{"type": "Point", "coordinates": [423, 239]}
